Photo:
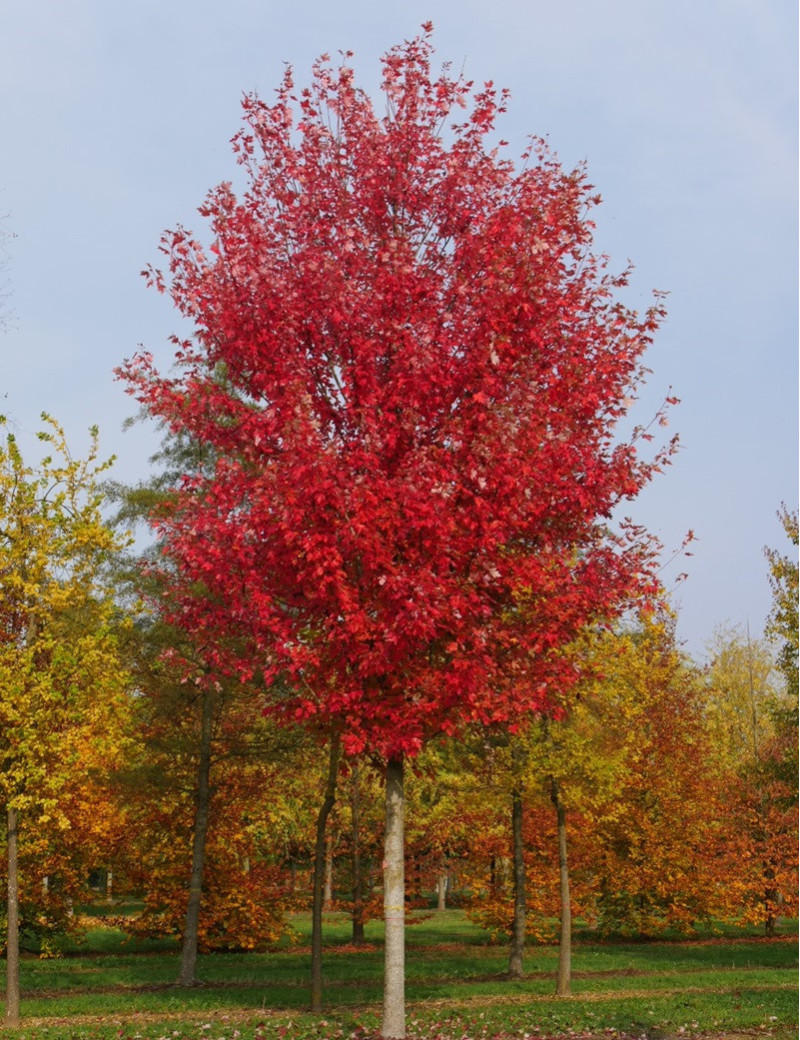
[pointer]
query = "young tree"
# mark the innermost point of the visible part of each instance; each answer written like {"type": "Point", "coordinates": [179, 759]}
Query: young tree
{"type": "Point", "coordinates": [517, 950]}
{"type": "Point", "coordinates": [782, 627]}
{"type": "Point", "coordinates": [325, 808]}
{"type": "Point", "coordinates": [188, 709]}
{"type": "Point", "coordinates": [783, 622]}
{"type": "Point", "coordinates": [660, 836]}
{"type": "Point", "coordinates": [59, 667]}
{"type": "Point", "coordinates": [200, 758]}
{"type": "Point", "coordinates": [748, 711]}
{"type": "Point", "coordinates": [424, 365]}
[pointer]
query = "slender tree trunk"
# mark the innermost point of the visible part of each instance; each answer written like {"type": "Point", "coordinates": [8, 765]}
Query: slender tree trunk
{"type": "Point", "coordinates": [109, 886]}
{"type": "Point", "coordinates": [565, 943]}
{"type": "Point", "coordinates": [327, 897]}
{"type": "Point", "coordinates": [358, 879]}
{"type": "Point", "coordinates": [12, 909]}
{"type": "Point", "coordinates": [518, 928]}
{"type": "Point", "coordinates": [186, 976]}
{"type": "Point", "coordinates": [394, 1011]}
{"type": "Point", "coordinates": [319, 872]}
{"type": "Point", "coordinates": [770, 900]}
{"type": "Point", "coordinates": [441, 892]}
{"type": "Point", "coordinates": [12, 940]}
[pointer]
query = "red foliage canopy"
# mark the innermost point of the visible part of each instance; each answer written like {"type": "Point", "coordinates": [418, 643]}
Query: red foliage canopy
{"type": "Point", "coordinates": [409, 365]}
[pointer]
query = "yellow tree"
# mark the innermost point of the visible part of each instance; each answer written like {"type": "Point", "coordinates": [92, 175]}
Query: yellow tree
{"type": "Point", "coordinates": [627, 774]}
{"type": "Point", "coordinates": [783, 630]}
{"type": "Point", "coordinates": [58, 662]}
{"type": "Point", "coordinates": [747, 707]}
{"type": "Point", "coordinates": [570, 765]}
{"type": "Point", "coordinates": [660, 840]}
{"type": "Point", "coordinates": [577, 760]}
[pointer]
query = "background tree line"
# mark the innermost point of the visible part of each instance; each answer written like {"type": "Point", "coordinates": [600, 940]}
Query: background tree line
{"type": "Point", "coordinates": [678, 782]}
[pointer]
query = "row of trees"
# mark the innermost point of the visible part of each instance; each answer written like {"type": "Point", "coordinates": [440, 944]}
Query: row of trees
{"type": "Point", "coordinates": [384, 542]}
{"type": "Point", "coordinates": [126, 760]}
{"type": "Point", "coordinates": [669, 777]}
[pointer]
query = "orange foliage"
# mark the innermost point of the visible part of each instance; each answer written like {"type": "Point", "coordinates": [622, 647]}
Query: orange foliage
{"type": "Point", "coordinates": [244, 898]}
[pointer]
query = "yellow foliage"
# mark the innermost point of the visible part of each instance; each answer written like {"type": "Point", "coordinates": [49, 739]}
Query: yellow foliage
{"type": "Point", "coordinates": [60, 673]}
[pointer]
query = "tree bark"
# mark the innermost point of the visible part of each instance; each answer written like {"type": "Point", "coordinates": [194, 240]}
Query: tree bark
{"type": "Point", "coordinates": [12, 940]}
{"type": "Point", "coordinates": [394, 1013]}
{"type": "Point", "coordinates": [334, 753]}
{"type": "Point", "coordinates": [564, 979]}
{"type": "Point", "coordinates": [517, 951]}
{"type": "Point", "coordinates": [770, 900]}
{"type": "Point", "coordinates": [441, 892]}
{"type": "Point", "coordinates": [358, 880]}
{"type": "Point", "coordinates": [327, 896]}
{"type": "Point", "coordinates": [186, 976]}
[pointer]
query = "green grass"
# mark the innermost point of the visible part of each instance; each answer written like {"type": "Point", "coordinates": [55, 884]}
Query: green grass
{"type": "Point", "coordinates": [104, 988]}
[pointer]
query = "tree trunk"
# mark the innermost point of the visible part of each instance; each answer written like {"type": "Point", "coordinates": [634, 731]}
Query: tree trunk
{"type": "Point", "coordinates": [109, 886]}
{"type": "Point", "coordinates": [327, 897]}
{"type": "Point", "coordinates": [565, 942]}
{"type": "Point", "coordinates": [770, 901]}
{"type": "Point", "coordinates": [358, 879]}
{"type": "Point", "coordinates": [319, 872]}
{"type": "Point", "coordinates": [518, 927]}
{"type": "Point", "coordinates": [441, 892]}
{"type": "Point", "coordinates": [186, 976]}
{"type": "Point", "coordinates": [394, 1012]}
{"type": "Point", "coordinates": [12, 941]}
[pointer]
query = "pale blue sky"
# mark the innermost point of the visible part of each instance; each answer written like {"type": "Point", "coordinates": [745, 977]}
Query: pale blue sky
{"type": "Point", "coordinates": [115, 121]}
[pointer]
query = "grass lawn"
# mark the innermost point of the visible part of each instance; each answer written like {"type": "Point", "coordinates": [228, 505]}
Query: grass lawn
{"type": "Point", "coordinates": [731, 985]}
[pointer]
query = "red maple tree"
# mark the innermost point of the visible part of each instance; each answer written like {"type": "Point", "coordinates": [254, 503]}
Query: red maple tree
{"type": "Point", "coordinates": [410, 366]}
